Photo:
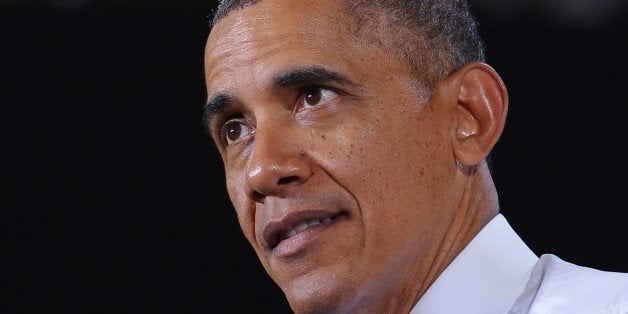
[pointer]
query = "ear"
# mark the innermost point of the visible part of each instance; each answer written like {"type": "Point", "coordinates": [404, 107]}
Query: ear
{"type": "Point", "coordinates": [480, 113]}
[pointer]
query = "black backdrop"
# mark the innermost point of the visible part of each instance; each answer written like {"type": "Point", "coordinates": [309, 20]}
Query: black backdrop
{"type": "Point", "coordinates": [116, 201]}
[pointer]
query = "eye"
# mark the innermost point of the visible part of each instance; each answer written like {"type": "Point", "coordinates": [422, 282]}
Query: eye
{"type": "Point", "coordinates": [234, 130]}
{"type": "Point", "coordinates": [316, 96]}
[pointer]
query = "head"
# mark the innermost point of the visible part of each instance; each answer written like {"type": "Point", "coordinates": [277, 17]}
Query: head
{"type": "Point", "coordinates": [353, 135]}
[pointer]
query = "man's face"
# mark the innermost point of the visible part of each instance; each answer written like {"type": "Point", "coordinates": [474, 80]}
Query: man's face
{"type": "Point", "coordinates": [339, 166]}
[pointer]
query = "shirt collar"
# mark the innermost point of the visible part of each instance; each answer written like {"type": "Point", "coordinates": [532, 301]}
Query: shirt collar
{"type": "Point", "coordinates": [486, 277]}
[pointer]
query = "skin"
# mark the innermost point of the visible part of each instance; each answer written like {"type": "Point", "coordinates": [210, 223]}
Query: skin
{"type": "Point", "coordinates": [401, 169]}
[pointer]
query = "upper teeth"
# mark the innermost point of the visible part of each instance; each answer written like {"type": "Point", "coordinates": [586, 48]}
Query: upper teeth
{"type": "Point", "coordinates": [306, 224]}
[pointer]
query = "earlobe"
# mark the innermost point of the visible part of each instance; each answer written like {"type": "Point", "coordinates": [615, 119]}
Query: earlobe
{"type": "Point", "coordinates": [480, 114]}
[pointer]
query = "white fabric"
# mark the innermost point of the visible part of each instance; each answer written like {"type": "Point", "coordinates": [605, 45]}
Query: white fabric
{"type": "Point", "coordinates": [498, 273]}
{"type": "Point", "coordinates": [486, 277]}
{"type": "Point", "coordinates": [560, 287]}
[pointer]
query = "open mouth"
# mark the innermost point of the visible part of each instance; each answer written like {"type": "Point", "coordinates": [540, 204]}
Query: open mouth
{"type": "Point", "coordinates": [284, 231]}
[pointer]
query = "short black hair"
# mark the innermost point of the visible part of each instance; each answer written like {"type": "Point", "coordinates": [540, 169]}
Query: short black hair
{"type": "Point", "coordinates": [435, 36]}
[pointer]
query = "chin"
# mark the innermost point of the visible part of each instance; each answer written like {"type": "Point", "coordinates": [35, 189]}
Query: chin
{"type": "Point", "coordinates": [318, 304]}
{"type": "Point", "coordinates": [320, 296]}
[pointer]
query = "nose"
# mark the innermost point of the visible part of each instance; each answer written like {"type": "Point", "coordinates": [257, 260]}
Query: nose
{"type": "Point", "coordinates": [275, 164]}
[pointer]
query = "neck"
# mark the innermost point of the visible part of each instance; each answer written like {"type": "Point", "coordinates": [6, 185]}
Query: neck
{"type": "Point", "coordinates": [477, 206]}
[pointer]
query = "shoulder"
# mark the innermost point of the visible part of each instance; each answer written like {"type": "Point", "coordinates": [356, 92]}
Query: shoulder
{"type": "Point", "coordinates": [556, 286]}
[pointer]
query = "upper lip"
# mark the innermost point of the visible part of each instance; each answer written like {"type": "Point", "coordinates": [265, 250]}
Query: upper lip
{"type": "Point", "coordinates": [277, 230]}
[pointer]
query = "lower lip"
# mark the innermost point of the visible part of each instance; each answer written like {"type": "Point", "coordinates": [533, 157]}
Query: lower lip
{"type": "Point", "coordinates": [299, 242]}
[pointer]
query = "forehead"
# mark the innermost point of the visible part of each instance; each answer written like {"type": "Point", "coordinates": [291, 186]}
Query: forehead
{"type": "Point", "coordinates": [277, 33]}
{"type": "Point", "coordinates": [272, 18]}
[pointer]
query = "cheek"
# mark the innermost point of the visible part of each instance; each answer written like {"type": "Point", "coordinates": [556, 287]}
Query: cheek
{"type": "Point", "coordinates": [393, 166]}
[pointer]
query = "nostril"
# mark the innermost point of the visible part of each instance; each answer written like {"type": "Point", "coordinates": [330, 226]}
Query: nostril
{"type": "Point", "coordinates": [257, 197]}
{"type": "Point", "coordinates": [287, 180]}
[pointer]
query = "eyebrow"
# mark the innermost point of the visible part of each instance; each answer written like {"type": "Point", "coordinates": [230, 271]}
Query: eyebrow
{"type": "Point", "coordinates": [216, 104]}
{"type": "Point", "coordinates": [310, 76]}
{"type": "Point", "coordinates": [314, 75]}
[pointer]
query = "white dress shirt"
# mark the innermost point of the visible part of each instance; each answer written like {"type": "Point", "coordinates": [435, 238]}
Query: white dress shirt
{"type": "Point", "coordinates": [498, 273]}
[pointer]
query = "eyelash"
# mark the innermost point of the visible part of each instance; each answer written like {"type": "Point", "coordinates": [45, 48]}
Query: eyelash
{"type": "Point", "coordinates": [301, 102]}
{"type": "Point", "coordinates": [223, 131]}
{"type": "Point", "coordinates": [325, 90]}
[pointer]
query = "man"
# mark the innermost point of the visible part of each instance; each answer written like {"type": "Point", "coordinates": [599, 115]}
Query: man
{"type": "Point", "coordinates": [354, 136]}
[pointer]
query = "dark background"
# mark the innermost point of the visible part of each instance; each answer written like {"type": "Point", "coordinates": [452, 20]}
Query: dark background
{"type": "Point", "coordinates": [116, 201]}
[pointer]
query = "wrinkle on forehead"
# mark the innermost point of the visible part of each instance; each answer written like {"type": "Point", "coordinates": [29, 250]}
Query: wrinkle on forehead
{"type": "Point", "coordinates": [248, 45]}
{"type": "Point", "coordinates": [248, 36]}
{"type": "Point", "coordinates": [276, 18]}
